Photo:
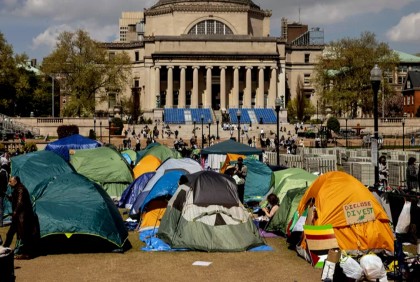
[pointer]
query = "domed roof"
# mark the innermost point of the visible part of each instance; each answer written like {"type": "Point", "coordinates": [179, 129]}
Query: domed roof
{"type": "Point", "coordinates": [166, 2]}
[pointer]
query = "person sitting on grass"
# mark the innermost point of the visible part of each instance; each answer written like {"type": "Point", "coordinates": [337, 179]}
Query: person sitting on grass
{"type": "Point", "coordinates": [272, 207]}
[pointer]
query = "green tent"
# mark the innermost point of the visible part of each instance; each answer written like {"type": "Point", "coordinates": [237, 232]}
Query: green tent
{"type": "Point", "coordinates": [205, 214]}
{"type": "Point", "coordinates": [259, 180]}
{"type": "Point", "coordinates": [69, 206]}
{"type": "Point", "coordinates": [290, 185]}
{"type": "Point", "coordinates": [104, 166]}
{"type": "Point", "coordinates": [161, 152]}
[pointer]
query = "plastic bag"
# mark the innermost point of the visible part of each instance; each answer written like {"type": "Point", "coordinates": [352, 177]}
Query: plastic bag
{"type": "Point", "coordinates": [373, 268]}
{"type": "Point", "coordinates": [351, 268]}
{"type": "Point", "coordinates": [404, 219]}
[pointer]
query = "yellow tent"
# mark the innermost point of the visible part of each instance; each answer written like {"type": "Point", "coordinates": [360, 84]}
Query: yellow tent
{"type": "Point", "coordinates": [153, 214]}
{"type": "Point", "coordinates": [359, 221]}
{"type": "Point", "coordinates": [147, 164]}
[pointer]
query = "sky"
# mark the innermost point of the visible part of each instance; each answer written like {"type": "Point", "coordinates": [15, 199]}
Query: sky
{"type": "Point", "coordinates": [32, 26]}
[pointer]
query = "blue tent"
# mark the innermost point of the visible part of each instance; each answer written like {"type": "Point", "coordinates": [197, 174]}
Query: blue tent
{"type": "Point", "coordinates": [130, 194]}
{"type": "Point", "coordinates": [76, 142]}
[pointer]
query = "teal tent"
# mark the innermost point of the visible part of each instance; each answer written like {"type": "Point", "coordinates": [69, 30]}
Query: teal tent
{"type": "Point", "coordinates": [231, 147]}
{"type": "Point", "coordinates": [105, 166]}
{"type": "Point", "coordinates": [70, 207]}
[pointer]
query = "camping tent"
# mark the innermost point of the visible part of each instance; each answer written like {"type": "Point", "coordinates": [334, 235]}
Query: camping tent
{"type": "Point", "coordinates": [133, 190]}
{"type": "Point", "coordinates": [186, 166]}
{"type": "Point", "coordinates": [291, 178]}
{"type": "Point", "coordinates": [74, 142]}
{"type": "Point", "coordinates": [205, 214]}
{"type": "Point", "coordinates": [69, 206]}
{"type": "Point", "coordinates": [359, 221]}
{"type": "Point", "coordinates": [105, 166]}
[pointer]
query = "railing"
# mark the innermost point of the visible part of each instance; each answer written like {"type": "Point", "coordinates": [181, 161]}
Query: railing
{"type": "Point", "coordinates": [49, 120]}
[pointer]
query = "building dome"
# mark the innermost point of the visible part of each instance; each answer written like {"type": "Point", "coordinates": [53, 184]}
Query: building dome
{"type": "Point", "coordinates": [167, 2]}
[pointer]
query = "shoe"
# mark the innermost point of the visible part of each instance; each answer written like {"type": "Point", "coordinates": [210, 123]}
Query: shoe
{"type": "Point", "coordinates": [22, 257]}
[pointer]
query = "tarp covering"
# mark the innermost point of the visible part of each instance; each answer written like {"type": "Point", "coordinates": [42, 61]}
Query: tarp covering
{"type": "Point", "coordinates": [105, 166]}
{"type": "Point", "coordinates": [74, 142]}
{"type": "Point", "coordinates": [205, 214]}
{"type": "Point", "coordinates": [68, 203]}
{"type": "Point", "coordinates": [359, 221]}
{"type": "Point", "coordinates": [233, 147]}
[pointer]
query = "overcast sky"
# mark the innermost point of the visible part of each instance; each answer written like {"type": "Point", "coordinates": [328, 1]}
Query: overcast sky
{"type": "Point", "coordinates": [31, 26]}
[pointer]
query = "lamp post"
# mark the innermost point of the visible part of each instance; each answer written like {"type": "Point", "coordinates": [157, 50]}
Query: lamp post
{"type": "Point", "coordinates": [217, 128]}
{"type": "Point", "coordinates": [109, 130]}
{"type": "Point", "coordinates": [94, 125]}
{"type": "Point", "coordinates": [52, 96]}
{"type": "Point", "coordinates": [238, 115]}
{"type": "Point", "coordinates": [202, 133]}
{"type": "Point", "coordinates": [347, 133]}
{"type": "Point", "coordinates": [375, 79]}
{"type": "Point", "coordinates": [278, 105]}
{"type": "Point", "coordinates": [194, 122]}
{"type": "Point", "coordinates": [100, 129]}
{"type": "Point", "coordinates": [403, 137]}
{"type": "Point", "coordinates": [209, 132]}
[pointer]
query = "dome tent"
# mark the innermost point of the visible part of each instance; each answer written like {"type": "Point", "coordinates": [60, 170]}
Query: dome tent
{"type": "Point", "coordinates": [72, 210]}
{"type": "Point", "coordinates": [76, 142]}
{"type": "Point", "coordinates": [205, 214]}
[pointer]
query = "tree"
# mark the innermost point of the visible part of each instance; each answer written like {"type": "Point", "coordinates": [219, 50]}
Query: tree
{"type": "Point", "coordinates": [300, 107]}
{"type": "Point", "coordinates": [86, 71]}
{"type": "Point", "coordinates": [11, 80]}
{"type": "Point", "coordinates": [342, 75]}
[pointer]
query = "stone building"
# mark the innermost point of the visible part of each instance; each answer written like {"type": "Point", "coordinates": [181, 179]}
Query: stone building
{"type": "Point", "coordinates": [217, 55]}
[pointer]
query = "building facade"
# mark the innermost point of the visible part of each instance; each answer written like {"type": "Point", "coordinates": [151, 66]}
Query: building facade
{"type": "Point", "coordinates": [212, 54]}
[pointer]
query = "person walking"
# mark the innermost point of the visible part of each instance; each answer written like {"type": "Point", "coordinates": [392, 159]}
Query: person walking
{"type": "Point", "coordinates": [24, 221]}
{"type": "Point", "coordinates": [411, 174]}
{"type": "Point", "coordinates": [4, 179]}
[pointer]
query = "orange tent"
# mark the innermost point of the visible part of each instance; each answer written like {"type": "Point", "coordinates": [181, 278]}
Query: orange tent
{"type": "Point", "coordinates": [359, 221]}
{"type": "Point", "coordinates": [147, 164]}
{"type": "Point", "coordinates": [152, 216]}
{"type": "Point", "coordinates": [230, 158]}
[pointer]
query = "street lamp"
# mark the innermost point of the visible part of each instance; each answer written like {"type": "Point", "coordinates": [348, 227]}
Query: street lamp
{"type": "Point", "coordinates": [238, 115]}
{"type": "Point", "coordinates": [217, 128]}
{"type": "Point", "coordinates": [278, 105]}
{"type": "Point", "coordinates": [100, 129]}
{"type": "Point", "coordinates": [209, 132]}
{"type": "Point", "coordinates": [52, 96]}
{"type": "Point", "coordinates": [403, 124]}
{"type": "Point", "coordinates": [109, 130]}
{"type": "Point", "coordinates": [202, 133]}
{"type": "Point", "coordinates": [375, 79]}
{"type": "Point", "coordinates": [94, 125]}
{"type": "Point", "coordinates": [194, 122]}
{"type": "Point", "coordinates": [347, 133]}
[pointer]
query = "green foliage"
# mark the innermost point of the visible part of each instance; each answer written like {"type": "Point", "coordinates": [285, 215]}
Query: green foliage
{"type": "Point", "coordinates": [67, 130]}
{"type": "Point", "coordinates": [92, 134]}
{"type": "Point", "coordinates": [86, 71]}
{"type": "Point", "coordinates": [342, 75]}
{"type": "Point", "coordinates": [117, 122]}
{"type": "Point", "coordinates": [300, 108]}
{"type": "Point", "coordinates": [333, 124]}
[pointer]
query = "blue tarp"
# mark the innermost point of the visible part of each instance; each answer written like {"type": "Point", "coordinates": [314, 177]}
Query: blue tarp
{"type": "Point", "coordinates": [76, 142]}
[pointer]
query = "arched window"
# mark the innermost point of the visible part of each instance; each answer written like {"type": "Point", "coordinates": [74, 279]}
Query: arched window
{"type": "Point", "coordinates": [209, 27]}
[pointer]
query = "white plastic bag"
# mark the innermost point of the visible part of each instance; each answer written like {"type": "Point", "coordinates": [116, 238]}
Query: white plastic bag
{"type": "Point", "coordinates": [403, 223]}
{"type": "Point", "coordinates": [373, 268]}
{"type": "Point", "coordinates": [351, 268]}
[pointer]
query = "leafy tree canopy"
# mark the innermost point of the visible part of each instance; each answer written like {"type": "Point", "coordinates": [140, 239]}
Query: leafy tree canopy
{"type": "Point", "coordinates": [86, 71]}
{"type": "Point", "coordinates": [342, 75]}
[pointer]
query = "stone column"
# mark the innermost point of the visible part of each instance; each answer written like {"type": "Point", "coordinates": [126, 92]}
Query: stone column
{"type": "Point", "coordinates": [223, 87]}
{"type": "Point", "coordinates": [235, 96]}
{"type": "Point", "coordinates": [182, 92]}
{"type": "Point", "coordinates": [157, 83]}
{"type": "Point", "coordinates": [194, 97]}
{"type": "Point", "coordinates": [272, 94]}
{"type": "Point", "coordinates": [170, 89]}
{"type": "Point", "coordinates": [207, 104]}
{"type": "Point", "coordinates": [248, 88]}
{"type": "Point", "coordinates": [261, 85]}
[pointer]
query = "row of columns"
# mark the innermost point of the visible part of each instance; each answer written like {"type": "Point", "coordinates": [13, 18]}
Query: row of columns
{"type": "Point", "coordinates": [207, 99]}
